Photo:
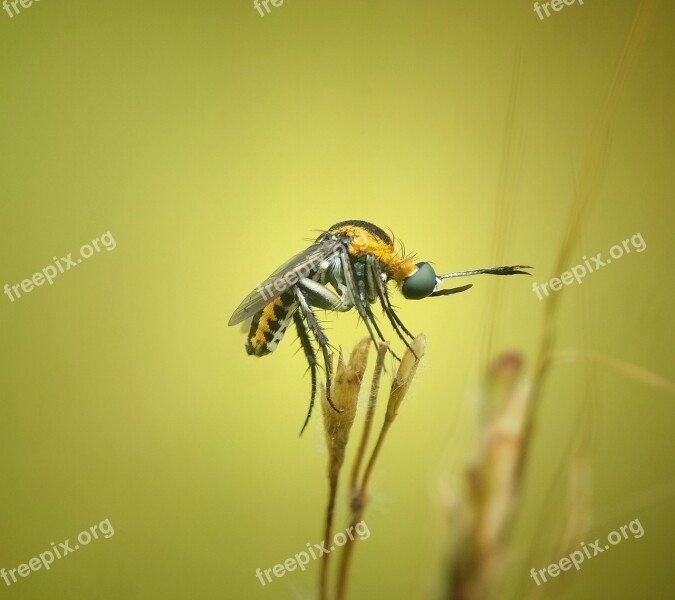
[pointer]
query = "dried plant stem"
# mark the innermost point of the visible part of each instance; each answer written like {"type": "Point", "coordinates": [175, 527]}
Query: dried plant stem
{"type": "Point", "coordinates": [345, 559]}
{"type": "Point", "coordinates": [328, 532]}
{"type": "Point", "coordinates": [337, 427]}
{"type": "Point", "coordinates": [356, 494]}
{"type": "Point", "coordinates": [399, 388]}
{"type": "Point", "coordinates": [359, 499]}
{"type": "Point", "coordinates": [370, 413]}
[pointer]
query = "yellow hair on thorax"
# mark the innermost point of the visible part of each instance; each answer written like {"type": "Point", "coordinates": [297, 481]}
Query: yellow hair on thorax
{"type": "Point", "coordinates": [364, 242]}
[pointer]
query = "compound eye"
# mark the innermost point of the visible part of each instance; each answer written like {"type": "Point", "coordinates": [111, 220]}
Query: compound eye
{"type": "Point", "coordinates": [421, 283]}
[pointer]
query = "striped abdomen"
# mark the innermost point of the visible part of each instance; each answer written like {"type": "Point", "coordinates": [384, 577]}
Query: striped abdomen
{"type": "Point", "coordinates": [269, 325]}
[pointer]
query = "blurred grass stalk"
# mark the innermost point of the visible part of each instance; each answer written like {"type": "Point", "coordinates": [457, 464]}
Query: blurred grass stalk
{"type": "Point", "coordinates": [493, 481]}
{"type": "Point", "coordinates": [337, 426]}
{"type": "Point", "coordinates": [484, 521]}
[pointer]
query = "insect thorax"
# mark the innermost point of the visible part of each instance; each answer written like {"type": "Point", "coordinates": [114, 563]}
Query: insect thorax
{"type": "Point", "coordinates": [362, 238]}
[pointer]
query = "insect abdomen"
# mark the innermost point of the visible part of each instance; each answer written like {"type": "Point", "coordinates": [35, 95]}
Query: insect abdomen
{"type": "Point", "coordinates": [269, 325]}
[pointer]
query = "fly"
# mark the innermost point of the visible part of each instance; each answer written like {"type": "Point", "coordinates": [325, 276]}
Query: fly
{"type": "Point", "coordinates": [347, 267]}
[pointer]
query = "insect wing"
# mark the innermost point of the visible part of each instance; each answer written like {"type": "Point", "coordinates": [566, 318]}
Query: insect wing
{"type": "Point", "coordinates": [301, 265]}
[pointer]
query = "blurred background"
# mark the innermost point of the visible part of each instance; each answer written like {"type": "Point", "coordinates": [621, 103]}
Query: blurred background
{"type": "Point", "coordinates": [213, 143]}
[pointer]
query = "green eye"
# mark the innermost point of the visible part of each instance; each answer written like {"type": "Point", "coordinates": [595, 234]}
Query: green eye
{"type": "Point", "coordinates": [421, 283]}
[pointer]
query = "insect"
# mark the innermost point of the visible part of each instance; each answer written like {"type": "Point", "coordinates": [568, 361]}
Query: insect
{"type": "Point", "coordinates": [347, 267]}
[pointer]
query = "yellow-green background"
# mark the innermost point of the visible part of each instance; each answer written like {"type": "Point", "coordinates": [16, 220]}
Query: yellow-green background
{"type": "Point", "coordinates": [212, 142]}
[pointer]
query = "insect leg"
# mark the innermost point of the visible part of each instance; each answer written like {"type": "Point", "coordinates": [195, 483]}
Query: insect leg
{"type": "Point", "coordinates": [310, 355]}
{"type": "Point", "coordinates": [383, 294]}
{"type": "Point", "coordinates": [359, 300]}
{"type": "Point", "coordinates": [373, 320]}
{"type": "Point", "coordinates": [319, 296]}
{"type": "Point", "coordinates": [321, 340]}
{"type": "Point", "coordinates": [371, 296]}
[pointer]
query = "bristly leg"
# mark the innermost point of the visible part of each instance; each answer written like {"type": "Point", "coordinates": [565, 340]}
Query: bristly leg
{"type": "Point", "coordinates": [373, 320]}
{"type": "Point", "coordinates": [352, 288]}
{"type": "Point", "coordinates": [310, 355]}
{"type": "Point", "coordinates": [320, 338]}
{"type": "Point", "coordinates": [383, 295]}
{"type": "Point", "coordinates": [360, 301]}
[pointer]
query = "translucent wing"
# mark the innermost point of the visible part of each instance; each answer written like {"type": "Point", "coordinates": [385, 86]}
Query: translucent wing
{"type": "Point", "coordinates": [301, 265]}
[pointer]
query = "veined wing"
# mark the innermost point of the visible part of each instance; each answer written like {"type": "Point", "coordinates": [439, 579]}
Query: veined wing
{"type": "Point", "coordinates": [301, 265]}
